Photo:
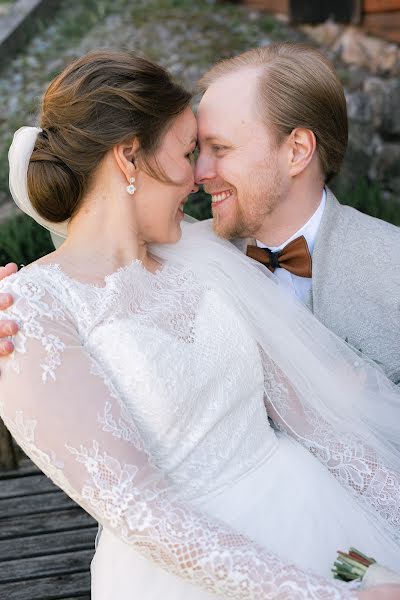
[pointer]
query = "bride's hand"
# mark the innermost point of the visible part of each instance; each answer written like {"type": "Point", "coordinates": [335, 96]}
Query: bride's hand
{"type": "Point", "coordinates": [7, 328]}
{"type": "Point", "coordinates": [380, 592]}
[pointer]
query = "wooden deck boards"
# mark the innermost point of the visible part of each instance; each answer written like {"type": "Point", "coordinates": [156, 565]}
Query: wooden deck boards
{"type": "Point", "coordinates": [46, 540]}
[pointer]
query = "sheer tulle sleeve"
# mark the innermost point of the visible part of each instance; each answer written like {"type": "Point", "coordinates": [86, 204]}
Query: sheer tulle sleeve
{"type": "Point", "coordinates": [66, 415]}
{"type": "Point", "coordinates": [350, 459]}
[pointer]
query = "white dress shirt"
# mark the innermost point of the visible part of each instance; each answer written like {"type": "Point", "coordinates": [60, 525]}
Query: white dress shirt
{"type": "Point", "coordinates": [300, 286]}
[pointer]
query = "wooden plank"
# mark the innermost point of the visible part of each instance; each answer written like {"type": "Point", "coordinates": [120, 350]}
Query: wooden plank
{"type": "Point", "coordinates": [8, 456]}
{"type": "Point", "coordinates": [23, 486]}
{"type": "Point", "coordinates": [25, 467]}
{"type": "Point", "coordinates": [383, 25]}
{"type": "Point", "coordinates": [377, 6]}
{"type": "Point", "coordinates": [45, 566]}
{"type": "Point", "coordinates": [47, 588]}
{"type": "Point", "coordinates": [48, 543]}
{"type": "Point", "coordinates": [40, 503]}
{"type": "Point", "coordinates": [25, 526]}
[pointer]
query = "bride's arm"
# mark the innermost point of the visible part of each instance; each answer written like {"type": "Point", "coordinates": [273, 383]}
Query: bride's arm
{"type": "Point", "coordinates": [67, 416]}
{"type": "Point", "coordinates": [350, 460]}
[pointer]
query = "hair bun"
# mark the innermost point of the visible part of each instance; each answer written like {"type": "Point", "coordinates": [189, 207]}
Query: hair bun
{"type": "Point", "coordinates": [53, 188]}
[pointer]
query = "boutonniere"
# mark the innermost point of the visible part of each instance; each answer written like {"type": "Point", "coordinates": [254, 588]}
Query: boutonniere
{"type": "Point", "coordinates": [351, 565]}
{"type": "Point", "coordinates": [356, 566]}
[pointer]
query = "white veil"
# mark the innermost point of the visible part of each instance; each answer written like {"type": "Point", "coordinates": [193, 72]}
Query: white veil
{"type": "Point", "coordinates": [18, 157]}
{"type": "Point", "coordinates": [318, 388]}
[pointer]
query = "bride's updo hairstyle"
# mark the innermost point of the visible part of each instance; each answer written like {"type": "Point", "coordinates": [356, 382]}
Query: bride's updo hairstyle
{"type": "Point", "coordinates": [100, 100]}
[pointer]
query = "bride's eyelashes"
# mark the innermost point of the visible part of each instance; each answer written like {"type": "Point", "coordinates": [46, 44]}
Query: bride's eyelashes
{"type": "Point", "coordinates": [193, 155]}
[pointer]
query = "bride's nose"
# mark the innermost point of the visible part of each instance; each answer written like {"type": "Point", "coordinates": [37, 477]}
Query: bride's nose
{"type": "Point", "coordinates": [195, 188]}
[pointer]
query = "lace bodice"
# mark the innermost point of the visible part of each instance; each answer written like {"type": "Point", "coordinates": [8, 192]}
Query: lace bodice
{"type": "Point", "coordinates": [137, 397]}
{"type": "Point", "coordinates": [184, 354]}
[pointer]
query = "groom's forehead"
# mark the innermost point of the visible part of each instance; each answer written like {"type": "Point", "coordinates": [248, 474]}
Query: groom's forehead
{"type": "Point", "coordinates": [231, 94]}
{"type": "Point", "coordinates": [228, 102]}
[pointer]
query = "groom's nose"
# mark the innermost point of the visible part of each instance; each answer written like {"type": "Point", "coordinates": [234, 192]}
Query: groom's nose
{"type": "Point", "coordinates": [204, 169]}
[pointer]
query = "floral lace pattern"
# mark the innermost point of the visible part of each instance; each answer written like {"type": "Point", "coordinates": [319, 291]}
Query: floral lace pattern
{"type": "Point", "coordinates": [30, 327]}
{"type": "Point", "coordinates": [362, 473]}
{"type": "Point", "coordinates": [352, 463]}
{"type": "Point", "coordinates": [84, 396]}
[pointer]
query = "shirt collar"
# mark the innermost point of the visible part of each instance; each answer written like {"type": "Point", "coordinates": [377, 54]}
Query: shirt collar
{"type": "Point", "coordinates": [308, 230]}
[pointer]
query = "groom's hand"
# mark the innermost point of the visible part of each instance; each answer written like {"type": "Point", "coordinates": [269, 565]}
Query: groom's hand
{"type": "Point", "coordinates": [7, 328]}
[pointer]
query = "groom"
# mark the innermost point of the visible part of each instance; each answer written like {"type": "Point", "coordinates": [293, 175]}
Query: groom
{"type": "Point", "coordinates": [272, 133]}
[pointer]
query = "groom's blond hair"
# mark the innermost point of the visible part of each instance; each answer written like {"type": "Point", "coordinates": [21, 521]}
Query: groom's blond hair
{"type": "Point", "coordinates": [297, 87]}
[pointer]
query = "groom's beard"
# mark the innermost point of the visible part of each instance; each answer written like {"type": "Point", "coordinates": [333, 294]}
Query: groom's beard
{"type": "Point", "coordinates": [247, 215]}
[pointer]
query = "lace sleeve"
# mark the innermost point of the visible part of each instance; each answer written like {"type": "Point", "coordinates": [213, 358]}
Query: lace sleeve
{"type": "Point", "coordinates": [66, 415]}
{"type": "Point", "coordinates": [355, 465]}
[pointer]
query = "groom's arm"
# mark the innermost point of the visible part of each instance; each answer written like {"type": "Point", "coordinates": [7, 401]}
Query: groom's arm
{"type": "Point", "coordinates": [7, 328]}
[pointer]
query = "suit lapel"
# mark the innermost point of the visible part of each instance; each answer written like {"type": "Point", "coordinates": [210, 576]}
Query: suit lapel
{"type": "Point", "coordinates": [308, 300]}
{"type": "Point", "coordinates": [328, 252]}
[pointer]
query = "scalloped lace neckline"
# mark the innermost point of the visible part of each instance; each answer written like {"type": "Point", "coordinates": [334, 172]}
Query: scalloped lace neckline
{"type": "Point", "coordinates": [116, 276]}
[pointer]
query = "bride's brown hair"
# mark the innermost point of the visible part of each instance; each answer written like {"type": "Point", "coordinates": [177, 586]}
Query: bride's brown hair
{"type": "Point", "coordinates": [100, 100]}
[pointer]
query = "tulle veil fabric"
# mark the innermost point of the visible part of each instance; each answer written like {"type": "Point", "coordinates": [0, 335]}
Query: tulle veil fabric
{"type": "Point", "coordinates": [18, 158]}
{"type": "Point", "coordinates": [315, 382]}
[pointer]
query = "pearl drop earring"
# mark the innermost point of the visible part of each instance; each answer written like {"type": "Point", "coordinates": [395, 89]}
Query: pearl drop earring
{"type": "Point", "coordinates": [131, 188]}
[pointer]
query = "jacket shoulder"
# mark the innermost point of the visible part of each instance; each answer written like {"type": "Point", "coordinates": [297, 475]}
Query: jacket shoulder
{"type": "Point", "coordinates": [376, 234]}
{"type": "Point", "coordinates": [357, 219]}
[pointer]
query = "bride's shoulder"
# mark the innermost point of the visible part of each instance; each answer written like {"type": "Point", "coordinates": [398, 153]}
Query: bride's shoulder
{"type": "Point", "coordinates": [34, 272]}
{"type": "Point", "coordinates": [34, 282]}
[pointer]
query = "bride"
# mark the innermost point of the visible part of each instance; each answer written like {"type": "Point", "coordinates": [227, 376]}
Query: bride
{"type": "Point", "coordinates": [150, 354]}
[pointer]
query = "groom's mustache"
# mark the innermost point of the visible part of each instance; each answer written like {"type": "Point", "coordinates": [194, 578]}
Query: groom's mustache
{"type": "Point", "coordinates": [219, 189]}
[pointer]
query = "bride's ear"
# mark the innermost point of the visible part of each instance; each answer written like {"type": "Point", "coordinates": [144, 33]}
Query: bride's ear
{"type": "Point", "coordinates": [126, 158]}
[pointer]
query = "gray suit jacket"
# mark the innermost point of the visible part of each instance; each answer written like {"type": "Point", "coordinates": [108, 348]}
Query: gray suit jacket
{"type": "Point", "coordinates": [356, 282]}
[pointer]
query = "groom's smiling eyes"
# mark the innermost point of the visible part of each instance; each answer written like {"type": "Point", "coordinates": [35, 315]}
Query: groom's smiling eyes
{"type": "Point", "coordinates": [218, 148]}
{"type": "Point", "coordinates": [216, 144]}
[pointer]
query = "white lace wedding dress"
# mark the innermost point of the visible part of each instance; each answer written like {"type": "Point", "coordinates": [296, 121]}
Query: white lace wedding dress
{"type": "Point", "coordinates": [144, 401]}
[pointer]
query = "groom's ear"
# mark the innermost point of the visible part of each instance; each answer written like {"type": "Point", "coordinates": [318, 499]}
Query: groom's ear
{"type": "Point", "coordinates": [302, 145]}
{"type": "Point", "coordinates": [126, 157]}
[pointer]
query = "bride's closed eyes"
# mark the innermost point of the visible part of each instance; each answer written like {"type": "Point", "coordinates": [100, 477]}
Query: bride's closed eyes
{"type": "Point", "coordinates": [193, 154]}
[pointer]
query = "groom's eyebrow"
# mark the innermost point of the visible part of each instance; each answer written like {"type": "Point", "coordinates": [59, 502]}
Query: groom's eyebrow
{"type": "Point", "coordinates": [215, 137]}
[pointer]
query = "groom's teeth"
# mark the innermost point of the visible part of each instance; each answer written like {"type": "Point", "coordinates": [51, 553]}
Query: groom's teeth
{"type": "Point", "coordinates": [221, 196]}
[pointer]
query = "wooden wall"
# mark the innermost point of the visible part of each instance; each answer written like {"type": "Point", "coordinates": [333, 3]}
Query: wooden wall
{"type": "Point", "coordinates": [382, 18]}
{"type": "Point", "coordinates": [379, 17]}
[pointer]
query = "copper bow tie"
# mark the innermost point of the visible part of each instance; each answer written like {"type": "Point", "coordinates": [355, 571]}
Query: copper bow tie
{"type": "Point", "coordinates": [295, 257]}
